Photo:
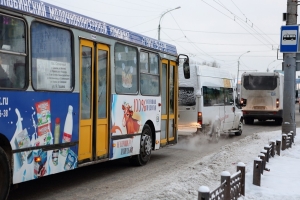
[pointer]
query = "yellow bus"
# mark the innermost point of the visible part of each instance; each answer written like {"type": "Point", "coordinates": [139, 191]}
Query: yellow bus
{"type": "Point", "coordinates": [76, 91]}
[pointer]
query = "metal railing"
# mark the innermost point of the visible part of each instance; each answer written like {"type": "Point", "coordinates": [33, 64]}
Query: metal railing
{"type": "Point", "coordinates": [232, 187]}
{"type": "Point", "coordinates": [260, 163]}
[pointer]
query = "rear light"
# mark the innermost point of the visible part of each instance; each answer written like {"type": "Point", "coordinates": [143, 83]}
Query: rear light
{"type": "Point", "coordinates": [199, 118]}
{"type": "Point", "coordinates": [243, 102]}
{"type": "Point", "coordinates": [245, 113]}
{"type": "Point", "coordinates": [277, 103]}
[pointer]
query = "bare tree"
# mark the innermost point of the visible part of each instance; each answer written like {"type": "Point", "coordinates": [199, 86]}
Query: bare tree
{"type": "Point", "coordinates": [215, 64]}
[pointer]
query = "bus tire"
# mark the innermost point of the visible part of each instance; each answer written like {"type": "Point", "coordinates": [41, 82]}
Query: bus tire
{"type": "Point", "coordinates": [240, 128]}
{"type": "Point", "coordinates": [145, 148]}
{"type": "Point", "coordinates": [5, 175]}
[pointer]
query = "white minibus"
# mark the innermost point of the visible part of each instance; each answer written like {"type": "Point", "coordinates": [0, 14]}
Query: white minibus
{"type": "Point", "coordinates": [207, 102]}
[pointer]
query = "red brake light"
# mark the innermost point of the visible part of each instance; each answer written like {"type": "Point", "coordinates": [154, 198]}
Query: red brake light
{"type": "Point", "coordinates": [199, 118]}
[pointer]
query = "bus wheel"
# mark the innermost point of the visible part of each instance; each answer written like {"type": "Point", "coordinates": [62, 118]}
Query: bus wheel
{"type": "Point", "coordinates": [5, 175]}
{"type": "Point", "coordinates": [145, 148]}
{"type": "Point", "coordinates": [240, 129]}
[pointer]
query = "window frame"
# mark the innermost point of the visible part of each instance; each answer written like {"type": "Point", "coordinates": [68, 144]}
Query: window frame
{"type": "Point", "coordinates": [72, 66]}
{"type": "Point", "coordinates": [25, 54]}
{"type": "Point", "coordinates": [222, 94]}
{"type": "Point", "coordinates": [149, 71]}
{"type": "Point", "coordinates": [137, 68]}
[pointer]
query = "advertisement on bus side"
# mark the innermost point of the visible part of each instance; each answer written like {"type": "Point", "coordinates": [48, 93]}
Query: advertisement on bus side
{"type": "Point", "coordinates": [33, 121]}
{"type": "Point", "coordinates": [129, 114]}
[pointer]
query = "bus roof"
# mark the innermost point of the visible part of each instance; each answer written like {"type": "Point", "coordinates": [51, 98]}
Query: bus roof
{"type": "Point", "coordinates": [58, 14]}
{"type": "Point", "coordinates": [204, 70]}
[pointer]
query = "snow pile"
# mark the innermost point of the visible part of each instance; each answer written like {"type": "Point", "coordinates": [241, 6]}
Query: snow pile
{"type": "Point", "coordinates": [184, 183]}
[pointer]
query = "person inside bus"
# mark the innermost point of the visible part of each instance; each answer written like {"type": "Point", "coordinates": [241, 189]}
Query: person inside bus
{"type": "Point", "coordinates": [4, 79]}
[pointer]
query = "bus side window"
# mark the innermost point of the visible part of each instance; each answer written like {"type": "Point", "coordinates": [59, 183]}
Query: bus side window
{"type": "Point", "coordinates": [51, 49]}
{"type": "Point", "coordinates": [19, 70]}
{"type": "Point", "coordinates": [208, 96]}
{"type": "Point", "coordinates": [13, 43]}
{"type": "Point", "coordinates": [12, 71]}
{"type": "Point", "coordinates": [125, 69]}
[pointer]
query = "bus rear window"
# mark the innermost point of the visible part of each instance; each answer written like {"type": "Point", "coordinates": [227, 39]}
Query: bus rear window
{"type": "Point", "coordinates": [51, 57]}
{"type": "Point", "coordinates": [186, 96]}
{"type": "Point", "coordinates": [260, 82]}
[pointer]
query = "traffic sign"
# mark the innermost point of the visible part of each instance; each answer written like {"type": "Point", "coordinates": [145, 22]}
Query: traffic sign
{"type": "Point", "coordinates": [289, 39]}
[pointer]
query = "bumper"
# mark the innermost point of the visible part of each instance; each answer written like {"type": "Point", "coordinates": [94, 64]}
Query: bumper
{"type": "Point", "coordinates": [262, 114]}
{"type": "Point", "coordinates": [188, 129]}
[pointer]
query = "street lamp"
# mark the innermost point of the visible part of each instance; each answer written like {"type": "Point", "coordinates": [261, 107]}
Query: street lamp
{"type": "Point", "coordinates": [269, 65]}
{"type": "Point", "coordinates": [161, 17]}
{"type": "Point", "coordinates": [237, 78]}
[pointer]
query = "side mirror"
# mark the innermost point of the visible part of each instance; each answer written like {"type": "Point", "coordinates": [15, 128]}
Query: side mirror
{"type": "Point", "coordinates": [186, 69]}
{"type": "Point", "coordinates": [186, 65]}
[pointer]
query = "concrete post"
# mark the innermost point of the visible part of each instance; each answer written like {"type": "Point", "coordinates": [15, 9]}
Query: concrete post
{"type": "Point", "coordinates": [225, 176]}
{"type": "Point", "coordinates": [293, 136]}
{"type": "Point", "coordinates": [278, 147]}
{"type": "Point", "coordinates": [283, 139]}
{"type": "Point", "coordinates": [263, 162]}
{"type": "Point", "coordinates": [203, 193]}
{"type": "Point", "coordinates": [265, 152]}
{"type": "Point", "coordinates": [256, 171]}
{"type": "Point", "coordinates": [290, 139]}
{"type": "Point", "coordinates": [288, 114]}
{"type": "Point", "coordinates": [273, 148]}
{"type": "Point", "coordinates": [242, 167]}
{"type": "Point", "coordinates": [289, 95]}
{"type": "Point", "coordinates": [267, 147]}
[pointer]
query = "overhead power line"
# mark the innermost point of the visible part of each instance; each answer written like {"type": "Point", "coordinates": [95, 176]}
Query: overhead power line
{"type": "Point", "coordinates": [217, 32]}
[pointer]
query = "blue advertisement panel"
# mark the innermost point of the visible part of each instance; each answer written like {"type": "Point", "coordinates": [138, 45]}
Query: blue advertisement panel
{"type": "Point", "coordinates": [48, 11]}
{"type": "Point", "coordinates": [34, 121]}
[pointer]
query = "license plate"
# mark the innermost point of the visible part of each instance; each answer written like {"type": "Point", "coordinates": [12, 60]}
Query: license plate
{"type": "Point", "coordinates": [259, 107]}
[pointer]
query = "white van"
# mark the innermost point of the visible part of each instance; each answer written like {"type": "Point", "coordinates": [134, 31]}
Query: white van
{"type": "Point", "coordinates": [207, 102]}
{"type": "Point", "coordinates": [262, 96]}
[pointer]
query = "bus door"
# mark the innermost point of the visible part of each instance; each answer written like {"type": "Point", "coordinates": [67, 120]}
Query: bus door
{"type": "Point", "coordinates": [93, 134]}
{"type": "Point", "coordinates": [169, 102]}
{"type": "Point", "coordinates": [229, 108]}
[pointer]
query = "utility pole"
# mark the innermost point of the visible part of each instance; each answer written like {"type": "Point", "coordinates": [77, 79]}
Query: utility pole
{"type": "Point", "coordinates": [289, 64]}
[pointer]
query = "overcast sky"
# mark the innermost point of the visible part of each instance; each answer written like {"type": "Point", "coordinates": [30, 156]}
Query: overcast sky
{"type": "Point", "coordinates": [206, 30]}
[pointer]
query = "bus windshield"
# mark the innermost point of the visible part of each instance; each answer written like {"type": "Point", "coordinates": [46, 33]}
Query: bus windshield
{"type": "Point", "coordinates": [260, 82]}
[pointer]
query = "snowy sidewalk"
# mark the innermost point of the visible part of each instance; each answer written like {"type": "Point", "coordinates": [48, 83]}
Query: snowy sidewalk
{"type": "Point", "coordinates": [282, 182]}
{"type": "Point", "coordinates": [283, 179]}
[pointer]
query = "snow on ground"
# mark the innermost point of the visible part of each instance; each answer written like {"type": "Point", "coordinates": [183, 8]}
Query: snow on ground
{"type": "Point", "coordinates": [281, 182]}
